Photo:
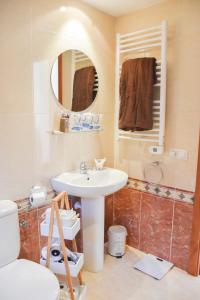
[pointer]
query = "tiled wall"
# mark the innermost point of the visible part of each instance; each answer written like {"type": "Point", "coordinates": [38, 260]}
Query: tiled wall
{"type": "Point", "coordinates": [156, 224]}
{"type": "Point", "coordinates": [31, 241]}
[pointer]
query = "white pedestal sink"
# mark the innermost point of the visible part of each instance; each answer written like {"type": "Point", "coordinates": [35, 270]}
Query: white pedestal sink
{"type": "Point", "coordinates": [92, 188]}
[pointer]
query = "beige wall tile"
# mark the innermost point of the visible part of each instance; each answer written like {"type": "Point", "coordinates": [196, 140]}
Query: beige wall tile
{"type": "Point", "coordinates": [49, 151]}
{"type": "Point", "coordinates": [17, 155]}
{"type": "Point", "coordinates": [15, 40]}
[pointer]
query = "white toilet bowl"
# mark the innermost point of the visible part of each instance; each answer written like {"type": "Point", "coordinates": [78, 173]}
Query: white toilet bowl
{"type": "Point", "coordinates": [21, 279]}
{"type": "Point", "coordinates": [26, 280]}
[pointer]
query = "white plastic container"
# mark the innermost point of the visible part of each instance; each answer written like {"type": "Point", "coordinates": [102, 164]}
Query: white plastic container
{"type": "Point", "coordinates": [117, 240]}
{"type": "Point", "coordinates": [68, 216]}
{"type": "Point", "coordinates": [69, 232]}
{"type": "Point", "coordinates": [59, 268]}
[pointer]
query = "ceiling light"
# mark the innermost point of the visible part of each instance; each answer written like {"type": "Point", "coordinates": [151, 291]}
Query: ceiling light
{"type": "Point", "coordinates": [63, 8]}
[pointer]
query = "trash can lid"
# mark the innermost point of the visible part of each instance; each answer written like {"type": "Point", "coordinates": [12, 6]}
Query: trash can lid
{"type": "Point", "coordinates": [117, 229]}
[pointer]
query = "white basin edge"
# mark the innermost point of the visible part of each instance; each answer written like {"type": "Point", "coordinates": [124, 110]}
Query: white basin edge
{"type": "Point", "coordinates": [89, 191]}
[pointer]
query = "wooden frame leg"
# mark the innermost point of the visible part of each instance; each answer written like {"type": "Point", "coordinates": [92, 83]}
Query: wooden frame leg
{"type": "Point", "coordinates": [74, 246]}
{"type": "Point", "coordinates": [60, 230]}
{"type": "Point", "coordinates": [50, 235]}
{"type": "Point", "coordinates": [66, 200]}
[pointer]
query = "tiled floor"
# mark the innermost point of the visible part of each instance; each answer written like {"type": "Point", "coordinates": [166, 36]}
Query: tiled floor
{"type": "Point", "coordinates": [119, 281]}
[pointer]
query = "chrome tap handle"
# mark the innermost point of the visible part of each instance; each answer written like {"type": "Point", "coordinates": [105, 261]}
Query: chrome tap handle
{"type": "Point", "coordinates": [83, 167]}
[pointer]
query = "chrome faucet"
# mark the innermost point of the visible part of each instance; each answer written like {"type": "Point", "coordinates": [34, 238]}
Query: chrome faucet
{"type": "Point", "coordinates": [83, 167]}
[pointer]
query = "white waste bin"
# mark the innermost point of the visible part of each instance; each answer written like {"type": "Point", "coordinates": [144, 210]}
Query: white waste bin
{"type": "Point", "coordinates": [117, 240]}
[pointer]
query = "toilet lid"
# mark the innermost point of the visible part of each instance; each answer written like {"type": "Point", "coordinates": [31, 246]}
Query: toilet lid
{"type": "Point", "coordinates": [24, 279]}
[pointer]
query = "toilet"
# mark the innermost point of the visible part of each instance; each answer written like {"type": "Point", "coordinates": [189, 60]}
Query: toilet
{"type": "Point", "coordinates": [21, 279]}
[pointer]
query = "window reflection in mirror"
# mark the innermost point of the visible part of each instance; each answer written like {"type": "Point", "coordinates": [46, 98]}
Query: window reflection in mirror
{"type": "Point", "coordinates": [74, 80]}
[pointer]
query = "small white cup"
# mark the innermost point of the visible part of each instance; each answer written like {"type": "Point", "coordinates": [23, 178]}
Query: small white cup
{"type": "Point", "coordinates": [99, 163]}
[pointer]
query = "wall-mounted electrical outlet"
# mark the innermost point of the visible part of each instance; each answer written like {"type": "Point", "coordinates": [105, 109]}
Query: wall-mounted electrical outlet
{"type": "Point", "coordinates": [178, 154]}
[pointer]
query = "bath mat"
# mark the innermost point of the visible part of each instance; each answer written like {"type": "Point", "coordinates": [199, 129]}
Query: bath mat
{"type": "Point", "coordinates": [153, 266]}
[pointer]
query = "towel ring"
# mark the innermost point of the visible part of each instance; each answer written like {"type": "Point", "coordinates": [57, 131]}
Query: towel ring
{"type": "Point", "coordinates": [153, 172]}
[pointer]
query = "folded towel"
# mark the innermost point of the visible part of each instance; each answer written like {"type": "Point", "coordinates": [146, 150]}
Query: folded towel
{"type": "Point", "coordinates": [136, 91]}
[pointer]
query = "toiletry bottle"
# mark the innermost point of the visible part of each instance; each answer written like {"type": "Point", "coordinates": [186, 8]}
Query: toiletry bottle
{"type": "Point", "coordinates": [64, 123]}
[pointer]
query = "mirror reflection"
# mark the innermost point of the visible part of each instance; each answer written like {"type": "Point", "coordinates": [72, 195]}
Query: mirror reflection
{"type": "Point", "coordinates": [74, 80]}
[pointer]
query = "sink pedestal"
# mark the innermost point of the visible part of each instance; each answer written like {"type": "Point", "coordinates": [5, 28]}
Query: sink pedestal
{"type": "Point", "coordinates": [92, 210]}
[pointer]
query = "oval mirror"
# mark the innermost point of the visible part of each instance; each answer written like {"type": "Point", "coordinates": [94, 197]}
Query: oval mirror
{"type": "Point", "coordinates": [74, 80]}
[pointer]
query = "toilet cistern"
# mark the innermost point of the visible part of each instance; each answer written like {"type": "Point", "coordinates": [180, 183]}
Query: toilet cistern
{"type": "Point", "coordinates": [92, 193]}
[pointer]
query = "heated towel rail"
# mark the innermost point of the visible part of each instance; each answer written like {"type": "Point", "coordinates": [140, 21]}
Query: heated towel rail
{"type": "Point", "coordinates": [147, 42]}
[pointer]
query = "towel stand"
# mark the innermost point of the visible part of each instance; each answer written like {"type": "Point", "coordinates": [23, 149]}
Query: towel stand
{"type": "Point", "coordinates": [64, 202]}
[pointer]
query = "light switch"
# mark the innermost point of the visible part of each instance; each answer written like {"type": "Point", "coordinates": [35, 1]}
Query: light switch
{"type": "Point", "coordinates": [178, 154]}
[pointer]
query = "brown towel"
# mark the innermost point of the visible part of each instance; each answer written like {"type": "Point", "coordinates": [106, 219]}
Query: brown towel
{"type": "Point", "coordinates": [83, 88]}
{"type": "Point", "coordinates": [136, 92]}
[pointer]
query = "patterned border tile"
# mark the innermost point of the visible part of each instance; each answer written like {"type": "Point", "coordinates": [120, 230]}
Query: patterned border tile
{"type": "Point", "coordinates": [162, 191]}
{"type": "Point", "coordinates": [23, 205]}
{"type": "Point", "coordinates": [155, 189]}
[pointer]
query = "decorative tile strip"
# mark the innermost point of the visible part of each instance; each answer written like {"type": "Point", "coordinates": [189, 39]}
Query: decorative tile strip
{"type": "Point", "coordinates": [23, 205]}
{"type": "Point", "coordinates": [162, 191]}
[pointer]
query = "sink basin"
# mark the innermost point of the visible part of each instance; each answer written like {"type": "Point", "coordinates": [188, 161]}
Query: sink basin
{"type": "Point", "coordinates": [90, 185]}
{"type": "Point", "coordinates": [92, 188]}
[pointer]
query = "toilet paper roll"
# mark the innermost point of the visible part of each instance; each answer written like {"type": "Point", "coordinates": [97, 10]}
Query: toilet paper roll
{"type": "Point", "coordinates": [38, 196]}
{"type": "Point", "coordinates": [55, 253]}
{"type": "Point", "coordinates": [57, 256]}
{"type": "Point", "coordinates": [37, 201]}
